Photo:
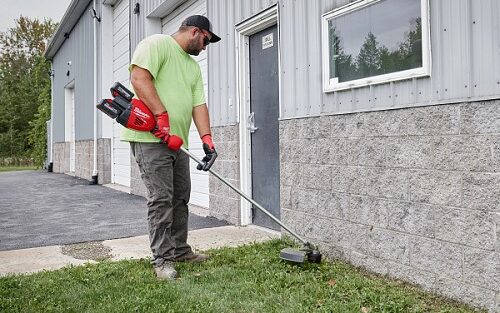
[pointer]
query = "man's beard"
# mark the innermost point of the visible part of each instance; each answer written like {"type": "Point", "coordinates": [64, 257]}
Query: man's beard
{"type": "Point", "coordinates": [193, 48]}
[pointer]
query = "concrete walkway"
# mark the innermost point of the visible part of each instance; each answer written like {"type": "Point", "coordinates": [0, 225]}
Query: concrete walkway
{"type": "Point", "coordinates": [51, 258]}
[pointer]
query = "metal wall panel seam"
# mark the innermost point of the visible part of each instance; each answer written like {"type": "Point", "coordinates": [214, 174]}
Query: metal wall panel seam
{"type": "Point", "coordinates": [463, 71]}
{"type": "Point", "coordinates": [229, 33]}
{"type": "Point", "coordinates": [300, 56]}
{"type": "Point", "coordinates": [292, 58]}
{"type": "Point", "coordinates": [217, 118]}
{"type": "Point", "coordinates": [321, 65]}
{"type": "Point", "coordinates": [438, 33]}
{"type": "Point", "coordinates": [314, 56]}
{"type": "Point", "coordinates": [307, 89]}
{"type": "Point", "coordinates": [468, 41]}
{"type": "Point", "coordinates": [496, 40]}
{"type": "Point", "coordinates": [282, 95]}
{"type": "Point", "coordinates": [220, 78]}
{"type": "Point", "coordinates": [228, 48]}
{"type": "Point", "coordinates": [484, 76]}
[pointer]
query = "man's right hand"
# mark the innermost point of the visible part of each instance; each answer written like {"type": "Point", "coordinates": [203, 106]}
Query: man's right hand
{"type": "Point", "coordinates": [162, 126]}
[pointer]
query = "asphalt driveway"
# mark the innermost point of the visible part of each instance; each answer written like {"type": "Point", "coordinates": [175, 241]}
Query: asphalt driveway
{"type": "Point", "coordinates": [43, 209]}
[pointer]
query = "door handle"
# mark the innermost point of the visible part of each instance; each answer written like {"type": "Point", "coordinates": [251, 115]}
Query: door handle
{"type": "Point", "coordinates": [251, 123]}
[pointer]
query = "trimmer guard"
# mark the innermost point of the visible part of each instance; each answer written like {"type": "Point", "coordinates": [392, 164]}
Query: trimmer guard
{"type": "Point", "coordinates": [293, 255]}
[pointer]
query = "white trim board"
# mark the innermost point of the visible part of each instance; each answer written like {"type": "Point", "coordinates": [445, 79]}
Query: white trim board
{"type": "Point", "coordinates": [243, 31]}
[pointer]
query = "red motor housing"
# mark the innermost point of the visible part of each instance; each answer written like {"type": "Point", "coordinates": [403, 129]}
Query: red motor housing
{"type": "Point", "coordinates": [133, 114]}
{"type": "Point", "coordinates": [137, 117]}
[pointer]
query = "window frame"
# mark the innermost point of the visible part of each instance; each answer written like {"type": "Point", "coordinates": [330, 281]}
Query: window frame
{"type": "Point", "coordinates": [330, 84]}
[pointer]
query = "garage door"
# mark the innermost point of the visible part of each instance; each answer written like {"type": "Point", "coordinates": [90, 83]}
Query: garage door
{"type": "Point", "coordinates": [170, 24]}
{"type": "Point", "coordinates": [121, 58]}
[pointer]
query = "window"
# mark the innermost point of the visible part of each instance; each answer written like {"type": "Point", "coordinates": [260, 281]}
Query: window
{"type": "Point", "coordinates": [375, 41]}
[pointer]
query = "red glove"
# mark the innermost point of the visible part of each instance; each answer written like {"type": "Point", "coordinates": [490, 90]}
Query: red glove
{"type": "Point", "coordinates": [162, 126]}
{"type": "Point", "coordinates": [162, 131]}
{"type": "Point", "coordinates": [210, 153]}
{"type": "Point", "coordinates": [208, 140]}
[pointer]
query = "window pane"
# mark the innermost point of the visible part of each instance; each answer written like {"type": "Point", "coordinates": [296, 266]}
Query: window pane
{"type": "Point", "coordinates": [382, 38]}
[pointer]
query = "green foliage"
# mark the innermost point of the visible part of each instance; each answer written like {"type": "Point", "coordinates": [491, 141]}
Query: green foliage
{"type": "Point", "coordinates": [37, 137]}
{"type": "Point", "coordinates": [24, 89]}
{"type": "Point", "coordinates": [374, 59]}
{"type": "Point", "coordinates": [246, 279]}
{"type": "Point", "coordinates": [368, 59]}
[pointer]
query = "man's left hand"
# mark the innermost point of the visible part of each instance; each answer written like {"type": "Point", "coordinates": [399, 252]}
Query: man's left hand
{"type": "Point", "coordinates": [210, 153]}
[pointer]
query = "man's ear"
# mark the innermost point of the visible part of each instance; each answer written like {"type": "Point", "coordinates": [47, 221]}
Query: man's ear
{"type": "Point", "coordinates": [194, 30]}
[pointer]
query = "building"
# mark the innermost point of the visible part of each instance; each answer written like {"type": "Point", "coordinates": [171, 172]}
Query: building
{"type": "Point", "coordinates": [371, 127]}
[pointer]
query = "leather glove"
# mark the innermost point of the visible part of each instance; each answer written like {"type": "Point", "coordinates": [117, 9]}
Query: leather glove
{"type": "Point", "coordinates": [210, 153]}
{"type": "Point", "coordinates": [162, 130]}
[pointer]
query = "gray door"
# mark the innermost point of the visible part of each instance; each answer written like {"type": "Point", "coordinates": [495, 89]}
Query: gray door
{"type": "Point", "coordinates": [264, 106]}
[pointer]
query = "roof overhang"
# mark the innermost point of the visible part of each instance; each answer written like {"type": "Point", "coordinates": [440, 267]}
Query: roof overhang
{"type": "Point", "coordinates": [110, 2]}
{"type": "Point", "coordinates": [68, 22]}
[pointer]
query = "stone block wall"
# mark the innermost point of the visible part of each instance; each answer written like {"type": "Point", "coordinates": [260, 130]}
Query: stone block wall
{"type": "Point", "coordinates": [104, 160]}
{"type": "Point", "coordinates": [224, 202]}
{"type": "Point", "coordinates": [60, 158]}
{"type": "Point", "coordinates": [411, 193]}
{"type": "Point", "coordinates": [84, 158]}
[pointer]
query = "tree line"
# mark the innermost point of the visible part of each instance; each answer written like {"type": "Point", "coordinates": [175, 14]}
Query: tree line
{"type": "Point", "coordinates": [25, 87]}
{"type": "Point", "coordinates": [375, 59]}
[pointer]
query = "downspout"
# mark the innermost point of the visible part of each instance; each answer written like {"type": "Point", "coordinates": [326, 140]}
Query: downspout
{"type": "Point", "coordinates": [94, 180]}
{"type": "Point", "coordinates": [50, 167]}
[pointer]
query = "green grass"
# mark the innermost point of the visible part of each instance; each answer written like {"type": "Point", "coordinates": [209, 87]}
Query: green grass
{"type": "Point", "coordinates": [245, 279]}
{"type": "Point", "coordinates": [16, 168]}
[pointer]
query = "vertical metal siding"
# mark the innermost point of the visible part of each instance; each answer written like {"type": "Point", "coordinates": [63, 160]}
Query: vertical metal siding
{"type": "Point", "coordinates": [225, 14]}
{"type": "Point", "coordinates": [78, 49]}
{"type": "Point", "coordinates": [222, 95]}
{"type": "Point", "coordinates": [121, 45]}
{"type": "Point", "coordinates": [137, 22]}
{"type": "Point", "coordinates": [465, 59]}
{"type": "Point", "coordinates": [495, 36]}
{"type": "Point", "coordinates": [464, 41]}
{"type": "Point", "coordinates": [301, 49]}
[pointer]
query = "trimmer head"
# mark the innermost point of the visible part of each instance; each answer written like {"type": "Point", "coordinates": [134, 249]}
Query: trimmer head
{"type": "Point", "coordinates": [293, 255]}
{"type": "Point", "coordinates": [300, 256]}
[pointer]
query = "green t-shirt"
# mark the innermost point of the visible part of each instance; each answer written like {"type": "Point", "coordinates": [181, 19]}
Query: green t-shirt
{"type": "Point", "coordinates": [178, 81]}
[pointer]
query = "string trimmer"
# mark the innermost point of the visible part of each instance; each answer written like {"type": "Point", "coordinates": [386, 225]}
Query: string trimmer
{"type": "Point", "coordinates": [134, 114]}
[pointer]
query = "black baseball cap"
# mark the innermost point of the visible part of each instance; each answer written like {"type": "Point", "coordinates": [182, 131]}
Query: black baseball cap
{"type": "Point", "coordinates": [202, 22]}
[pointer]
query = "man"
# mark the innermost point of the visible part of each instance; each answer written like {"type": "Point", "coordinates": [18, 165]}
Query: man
{"type": "Point", "coordinates": [168, 80]}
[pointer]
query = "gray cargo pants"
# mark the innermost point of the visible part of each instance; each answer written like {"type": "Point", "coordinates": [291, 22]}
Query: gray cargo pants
{"type": "Point", "coordinates": [165, 174]}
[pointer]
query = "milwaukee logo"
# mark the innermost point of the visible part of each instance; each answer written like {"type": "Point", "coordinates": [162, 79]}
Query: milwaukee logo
{"type": "Point", "coordinates": [140, 113]}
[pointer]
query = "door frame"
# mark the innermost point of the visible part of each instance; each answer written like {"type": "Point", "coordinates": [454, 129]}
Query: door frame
{"type": "Point", "coordinates": [243, 31]}
{"type": "Point", "coordinates": [69, 117]}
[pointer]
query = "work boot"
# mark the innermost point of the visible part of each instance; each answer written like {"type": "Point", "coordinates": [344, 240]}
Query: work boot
{"type": "Point", "coordinates": [192, 258]}
{"type": "Point", "coordinates": [166, 271]}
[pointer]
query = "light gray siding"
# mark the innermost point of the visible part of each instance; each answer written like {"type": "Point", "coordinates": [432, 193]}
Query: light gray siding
{"type": "Point", "coordinates": [224, 14]}
{"type": "Point", "coordinates": [78, 49]}
{"type": "Point", "coordinates": [465, 36]}
{"type": "Point", "coordinates": [222, 97]}
{"type": "Point", "coordinates": [155, 9]}
{"type": "Point", "coordinates": [137, 22]}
